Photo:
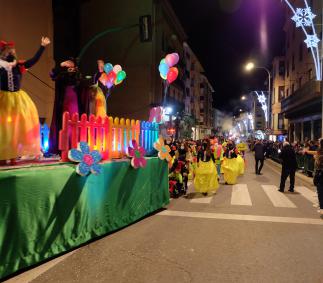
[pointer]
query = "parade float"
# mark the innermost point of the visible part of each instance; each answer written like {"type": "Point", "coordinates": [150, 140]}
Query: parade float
{"type": "Point", "coordinates": [109, 175]}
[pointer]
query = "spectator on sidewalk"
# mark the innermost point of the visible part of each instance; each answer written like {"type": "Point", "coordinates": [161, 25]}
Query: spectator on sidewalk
{"type": "Point", "coordinates": [289, 166]}
{"type": "Point", "coordinates": [318, 177]}
{"type": "Point", "coordinates": [259, 150]}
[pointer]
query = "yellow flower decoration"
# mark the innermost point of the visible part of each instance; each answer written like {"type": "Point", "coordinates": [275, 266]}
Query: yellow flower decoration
{"type": "Point", "coordinates": [163, 150]}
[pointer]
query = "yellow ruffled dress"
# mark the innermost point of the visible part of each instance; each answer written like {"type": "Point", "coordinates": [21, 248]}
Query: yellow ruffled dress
{"type": "Point", "coordinates": [206, 177]}
{"type": "Point", "coordinates": [231, 170]}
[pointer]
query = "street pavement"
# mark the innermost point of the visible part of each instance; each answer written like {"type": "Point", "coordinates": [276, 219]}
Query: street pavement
{"type": "Point", "coordinates": [244, 233]}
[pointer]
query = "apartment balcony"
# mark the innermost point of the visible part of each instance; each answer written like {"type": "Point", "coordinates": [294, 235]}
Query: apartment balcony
{"type": "Point", "coordinates": [305, 100]}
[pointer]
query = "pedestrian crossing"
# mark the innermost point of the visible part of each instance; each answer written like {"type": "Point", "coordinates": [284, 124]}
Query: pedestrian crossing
{"type": "Point", "coordinates": [240, 196]}
{"type": "Point", "coordinates": [277, 198]}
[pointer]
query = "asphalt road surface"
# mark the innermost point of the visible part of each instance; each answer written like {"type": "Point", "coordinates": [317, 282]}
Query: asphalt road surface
{"type": "Point", "coordinates": [245, 233]}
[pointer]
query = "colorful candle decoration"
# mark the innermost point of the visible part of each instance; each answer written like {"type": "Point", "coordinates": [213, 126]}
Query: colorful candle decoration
{"type": "Point", "coordinates": [137, 155]}
{"type": "Point", "coordinates": [88, 160]}
{"type": "Point", "coordinates": [167, 69]}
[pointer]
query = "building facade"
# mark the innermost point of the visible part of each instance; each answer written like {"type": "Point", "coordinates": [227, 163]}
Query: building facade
{"type": "Point", "coordinates": [279, 124]}
{"type": "Point", "coordinates": [302, 101]}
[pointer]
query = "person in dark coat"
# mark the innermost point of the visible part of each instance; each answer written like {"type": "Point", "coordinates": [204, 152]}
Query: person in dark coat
{"type": "Point", "coordinates": [289, 166]}
{"type": "Point", "coordinates": [259, 150]}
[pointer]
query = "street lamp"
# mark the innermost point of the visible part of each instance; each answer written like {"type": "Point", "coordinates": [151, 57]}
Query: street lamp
{"type": "Point", "coordinates": [243, 97]}
{"type": "Point", "coordinates": [249, 67]}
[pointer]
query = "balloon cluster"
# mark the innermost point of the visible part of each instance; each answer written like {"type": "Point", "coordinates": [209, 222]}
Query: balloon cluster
{"type": "Point", "coordinates": [112, 75]}
{"type": "Point", "coordinates": [166, 67]}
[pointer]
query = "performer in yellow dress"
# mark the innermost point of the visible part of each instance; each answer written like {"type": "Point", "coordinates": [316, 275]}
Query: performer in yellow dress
{"type": "Point", "coordinates": [19, 121]}
{"type": "Point", "coordinates": [206, 178]}
{"type": "Point", "coordinates": [230, 164]}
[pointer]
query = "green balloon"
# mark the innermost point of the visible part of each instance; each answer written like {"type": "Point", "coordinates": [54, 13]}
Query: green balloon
{"type": "Point", "coordinates": [121, 75]}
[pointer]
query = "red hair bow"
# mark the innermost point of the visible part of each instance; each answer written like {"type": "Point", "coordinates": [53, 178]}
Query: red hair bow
{"type": "Point", "coordinates": [4, 44]}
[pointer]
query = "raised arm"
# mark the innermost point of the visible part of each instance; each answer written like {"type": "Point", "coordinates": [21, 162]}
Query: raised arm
{"type": "Point", "coordinates": [29, 63]}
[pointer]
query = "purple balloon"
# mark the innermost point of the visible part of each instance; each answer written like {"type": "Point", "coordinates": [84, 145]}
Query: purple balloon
{"type": "Point", "coordinates": [109, 84]}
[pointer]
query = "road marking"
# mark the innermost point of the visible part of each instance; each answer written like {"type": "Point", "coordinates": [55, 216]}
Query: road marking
{"type": "Point", "coordinates": [307, 193]}
{"type": "Point", "coordinates": [240, 195]}
{"type": "Point", "coordinates": [205, 200]}
{"type": "Point", "coordinates": [257, 218]}
{"type": "Point", "coordinates": [278, 199]}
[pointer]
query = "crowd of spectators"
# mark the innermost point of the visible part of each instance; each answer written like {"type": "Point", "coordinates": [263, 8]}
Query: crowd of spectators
{"type": "Point", "coordinates": [305, 159]}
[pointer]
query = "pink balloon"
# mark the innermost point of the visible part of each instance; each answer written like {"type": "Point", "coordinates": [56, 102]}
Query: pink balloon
{"type": "Point", "coordinates": [176, 57]}
{"type": "Point", "coordinates": [172, 59]}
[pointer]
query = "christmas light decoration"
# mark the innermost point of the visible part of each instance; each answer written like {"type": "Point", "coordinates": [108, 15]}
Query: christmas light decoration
{"type": "Point", "coordinates": [263, 101]}
{"type": "Point", "coordinates": [312, 41]}
{"type": "Point", "coordinates": [303, 18]}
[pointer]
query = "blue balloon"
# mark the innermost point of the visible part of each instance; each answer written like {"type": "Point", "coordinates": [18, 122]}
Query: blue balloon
{"type": "Point", "coordinates": [163, 69]}
{"type": "Point", "coordinates": [108, 68]}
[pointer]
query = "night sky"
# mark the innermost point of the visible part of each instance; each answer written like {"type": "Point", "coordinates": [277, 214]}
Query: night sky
{"type": "Point", "coordinates": [224, 34]}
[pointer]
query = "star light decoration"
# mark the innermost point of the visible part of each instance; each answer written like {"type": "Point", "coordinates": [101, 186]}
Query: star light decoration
{"type": "Point", "coordinates": [312, 41]}
{"type": "Point", "coordinates": [303, 17]}
{"type": "Point", "coordinates": [262, 100]}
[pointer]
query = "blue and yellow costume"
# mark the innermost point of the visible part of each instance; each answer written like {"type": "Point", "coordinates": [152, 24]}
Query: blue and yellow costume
{"type": "Point", "coordinates": [19, 120]}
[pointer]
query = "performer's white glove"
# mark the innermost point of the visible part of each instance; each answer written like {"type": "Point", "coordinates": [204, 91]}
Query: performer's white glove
{"type": "Point", "coordinates": [45, 41]}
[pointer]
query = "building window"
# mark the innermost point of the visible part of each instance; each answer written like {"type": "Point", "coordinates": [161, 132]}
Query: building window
{"type": "Point", "coordinates": [310, 4]}
{"type": "Point", "coordinates": [187, 92]}
{"type": "Point", "coordinates": [201, 98]}
{"type": "Point", "coordinates": [293, 62]}
{"type": "Point", "coordinates": [281, 93]}
{"type": "Point", "coordinates": [287, 68]}
{"type": "Point", "coordinates": [287, 92]}
{"type": "Point", "coordinates": [274, 94]}
{"type": "Point", "coordinates": [294, 29]}
{"type": "Point", "coordinates": [301, 52]}
{"type": "Point", "coordinates": [310, 74]}
{"type": "Point", "coordinates": [281, 68]}
{"type": "Point", "coordinates": [287, 43]}
{"type": "Point", "coordinates": [293, 89]}
{"type": "Point", "coordinates": [300, 82]}
{"type": "Point", "coordinates": [281, 121]}
{"type": "Point", "coordinates": [192, 66]}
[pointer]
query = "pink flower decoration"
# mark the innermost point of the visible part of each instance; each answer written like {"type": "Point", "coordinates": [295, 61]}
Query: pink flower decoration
{"type": "Point", "coordinates": [137, 154]}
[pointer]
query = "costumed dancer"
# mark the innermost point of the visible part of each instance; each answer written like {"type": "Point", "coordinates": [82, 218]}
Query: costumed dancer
{"type": "Point", "coordinates": [241, 163]}
{"type": "Point", "coordinates": [176, 182]}
{"type": "Point", "coordinates": [19, 120]}
{"type": "Point", "coordinates": [218, 155]}
{"type": "Point", "coordinates": [205, 174]}
{"type": "Point", "coordinates": [97, 103]}
{"type": "Point", "coordinates": [230, 164]}
{"type": "Point", "coordinates": [67, 78]}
